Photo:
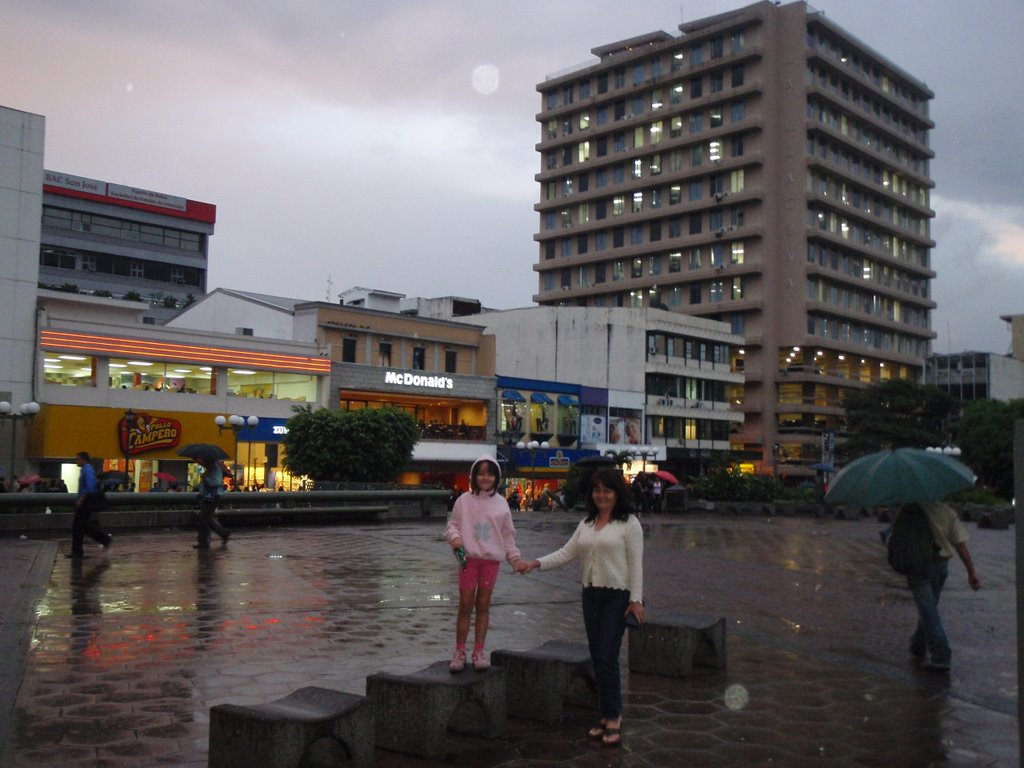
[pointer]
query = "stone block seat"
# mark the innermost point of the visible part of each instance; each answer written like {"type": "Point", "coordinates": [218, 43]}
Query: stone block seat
{"type": "Point", "coordinates": [672, 644]}
{"type": "Point", "coordinates": [414, 712]}
{"type": "Point", "coordinates": [539, 682]}
{"type": "Point", "coordinates": [312, 726]}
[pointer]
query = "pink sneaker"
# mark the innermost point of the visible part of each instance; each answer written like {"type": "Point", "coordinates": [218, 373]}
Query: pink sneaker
{"type": "Point", "coordinates": [480, 662]}
{"type": "Point", "coordinates": [458, 662]}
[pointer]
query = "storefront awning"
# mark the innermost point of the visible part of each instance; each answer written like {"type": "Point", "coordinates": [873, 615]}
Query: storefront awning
{"type": "Point", "coordinates": [540, 397]}
{"type": "Point", "coordinates": [567, 400]}
{"type": "Point", "coordinates": [510, 395]}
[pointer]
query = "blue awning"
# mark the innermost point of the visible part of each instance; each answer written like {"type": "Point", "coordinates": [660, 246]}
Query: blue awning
{"type": "Point", "coordinates": [512, 396]}
{"type": "Point", "coordinates": [567, 400]}
{"type": "Point", "coordinates": [540, 397]}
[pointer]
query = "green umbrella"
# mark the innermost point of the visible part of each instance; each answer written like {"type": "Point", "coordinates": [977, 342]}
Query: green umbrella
{"type": "Point", "coordinates": [895, 477]}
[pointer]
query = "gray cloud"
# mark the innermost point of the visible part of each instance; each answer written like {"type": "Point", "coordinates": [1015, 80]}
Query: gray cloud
{"type": "Point", "coordinates": [345, 139]}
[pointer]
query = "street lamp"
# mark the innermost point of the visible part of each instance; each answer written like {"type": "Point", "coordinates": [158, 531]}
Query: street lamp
{"type": "Point", "coordinates": [532, 447]}
{"type": "Point", "coordinates": [129, 417]}
{"type": "Point", "coordinates": [25, 412]}
{"type": "Point", "coordinates": [945, 450]}
{"type": "Point", "coordinates": [237, 423]}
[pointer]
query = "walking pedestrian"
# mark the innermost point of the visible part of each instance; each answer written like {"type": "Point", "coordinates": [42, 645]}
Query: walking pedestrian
{"type": "Point", "coordinates": [210, 487]}
{"type": "Point", "coordinates": [481, 533]}
{"type": "Point", "coordinates": [609, 543]}
{"type": "Point", "coordinates": [929, 637]}
{"type": "Point", "coordinates": [90, 499]}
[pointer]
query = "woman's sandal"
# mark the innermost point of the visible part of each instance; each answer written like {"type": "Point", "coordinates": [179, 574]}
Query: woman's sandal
{"type": "Point", "coordinates": [597, 731]}
{"type": "Point", "coordinates": [612, 737]}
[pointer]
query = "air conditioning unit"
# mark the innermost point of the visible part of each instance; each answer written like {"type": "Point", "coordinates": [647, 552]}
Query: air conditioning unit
{"type": "Point", "coordinates": [719, 233]}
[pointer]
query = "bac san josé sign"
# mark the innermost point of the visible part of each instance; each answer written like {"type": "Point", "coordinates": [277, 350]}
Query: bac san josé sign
{"type": "Point", "coordinates": [147, 433]}
{"type": "Point", "coordinates": [418, 381]}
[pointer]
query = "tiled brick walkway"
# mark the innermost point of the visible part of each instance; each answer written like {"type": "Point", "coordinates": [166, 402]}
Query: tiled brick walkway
{"type": "Point", "coordinates": [129, 650]}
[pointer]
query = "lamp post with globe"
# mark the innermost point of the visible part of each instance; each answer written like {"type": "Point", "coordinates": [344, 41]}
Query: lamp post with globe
{"type": "Point", "coordinates": [24, 413]}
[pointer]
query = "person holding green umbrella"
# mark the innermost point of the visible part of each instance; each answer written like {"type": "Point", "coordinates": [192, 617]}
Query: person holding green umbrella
{"type": "Point", "coordinates": [929, 643]}
{"type": "Point", "coordinates": [914, 480]}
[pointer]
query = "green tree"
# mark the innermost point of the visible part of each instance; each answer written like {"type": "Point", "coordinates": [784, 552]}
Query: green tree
{"type": "Point", "coordinates": [369, 445]}
{"type": "Point", "coordinates": [897, 414]}
{"type": "Point", "coordinates": [984, 434]}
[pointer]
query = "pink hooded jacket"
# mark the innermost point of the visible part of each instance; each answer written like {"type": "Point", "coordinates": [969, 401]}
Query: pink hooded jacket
{"type": "Point", "coordinates": [484, 522]}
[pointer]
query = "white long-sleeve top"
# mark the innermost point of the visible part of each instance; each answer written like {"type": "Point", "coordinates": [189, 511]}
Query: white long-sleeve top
{"type": "Point", "coordinates": [484, 524]}
{"type": "Point", "coordinates": [611, 557]}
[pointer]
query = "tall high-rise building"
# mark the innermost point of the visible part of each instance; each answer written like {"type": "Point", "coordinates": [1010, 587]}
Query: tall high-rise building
{"type": "Point", "coordinates": [765, 168]}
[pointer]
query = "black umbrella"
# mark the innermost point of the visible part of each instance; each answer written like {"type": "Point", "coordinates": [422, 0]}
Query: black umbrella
{"type": "Point", "coordinates": [203, 452]}
{"type": "Point", "coordinates": [109, 480]}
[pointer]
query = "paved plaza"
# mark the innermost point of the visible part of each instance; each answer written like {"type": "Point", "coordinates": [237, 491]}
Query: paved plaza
{"type": "Point", "coordinates": [116, 660]}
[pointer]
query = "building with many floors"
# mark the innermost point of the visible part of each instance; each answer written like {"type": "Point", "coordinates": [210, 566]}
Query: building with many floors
{"type": "Point", "coordinates": [107, 239]}
{"type": "Point", "coordinates": [763, 168]}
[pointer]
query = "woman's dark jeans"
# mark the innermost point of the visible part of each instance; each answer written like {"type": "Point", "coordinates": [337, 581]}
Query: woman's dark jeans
{"type": "Point", "coordinates": [604, 612]}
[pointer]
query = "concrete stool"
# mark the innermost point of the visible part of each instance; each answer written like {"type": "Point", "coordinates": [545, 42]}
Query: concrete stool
{"type": "Point", "coordinates": [414, 712]}
{"type": "Point", "coordinates": [673, 644]}
{"type": "Point", "coordinates": [311, 726]}
{"type": "Point", "coordinates": [539, 682]}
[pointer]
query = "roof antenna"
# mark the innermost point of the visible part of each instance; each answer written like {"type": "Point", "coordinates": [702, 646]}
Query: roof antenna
{"type": "Point", "coordinates": [330, 282]}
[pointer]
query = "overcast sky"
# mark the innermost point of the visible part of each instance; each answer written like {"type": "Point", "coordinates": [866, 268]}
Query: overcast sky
{"type": "Point", "coordinates": [390, 144]}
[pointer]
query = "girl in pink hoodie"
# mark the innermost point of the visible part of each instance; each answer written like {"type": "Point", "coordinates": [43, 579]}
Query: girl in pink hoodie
{"type": "Point", "coordinates": [481, 534]}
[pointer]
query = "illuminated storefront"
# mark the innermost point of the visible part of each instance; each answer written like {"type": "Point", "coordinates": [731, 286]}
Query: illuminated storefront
{"type": "Point", "coordinates": [131, 400]}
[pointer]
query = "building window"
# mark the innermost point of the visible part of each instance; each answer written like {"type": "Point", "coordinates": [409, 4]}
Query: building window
{"type": "Point", "coordinates": [348, 350]}
{"type": "Point", "coordinates": [675, 261]}
{"type": "Point", "coordinates": [737, 288]}
{"type": "Point", "coordinates": [384, 353]}
{"type": "Point", "coordinates": [715, 291]}
{"type": "Point", "coordinates": [138, 269]}
{"type": "Point", "coordinates": [675, 127]}
{"type": "Point", "coordinates": [419, 358]}
{"type": "Point", "coordinates": [695, 296]}
{"type": "Point", "coordinates": [177, 275]}
{"type": "Point", "coordinates": [69, 370]}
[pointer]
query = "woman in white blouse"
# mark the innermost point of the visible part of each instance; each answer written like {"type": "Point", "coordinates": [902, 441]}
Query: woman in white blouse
{"type": "Point", "coordinates": [609, 543]}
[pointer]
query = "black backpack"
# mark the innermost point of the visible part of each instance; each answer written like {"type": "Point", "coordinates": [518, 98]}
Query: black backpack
{"type": "Point", "coordinates": [912, 546]}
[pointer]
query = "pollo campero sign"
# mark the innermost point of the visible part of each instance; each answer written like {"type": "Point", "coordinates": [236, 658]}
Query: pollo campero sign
{"type": "Point", "coordinates": [144, 432]}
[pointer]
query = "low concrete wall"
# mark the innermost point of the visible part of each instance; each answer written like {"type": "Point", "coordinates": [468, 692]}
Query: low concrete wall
{"type": "Point", "coordinates": [23, 512]}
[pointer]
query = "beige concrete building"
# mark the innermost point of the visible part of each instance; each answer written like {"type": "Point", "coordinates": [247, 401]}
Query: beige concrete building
{"type": "Point", "coordinates": [764, 168]}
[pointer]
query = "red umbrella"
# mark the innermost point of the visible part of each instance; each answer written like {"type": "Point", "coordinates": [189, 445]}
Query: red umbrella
{"type": "Point", "coordinates": [667, 476]}
{"type": "Point", "coordinates": [29, 479]}
{"type": "Point", "coordinates": [165, 476]}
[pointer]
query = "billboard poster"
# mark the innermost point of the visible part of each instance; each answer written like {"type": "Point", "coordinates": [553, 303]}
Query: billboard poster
{"type": "Point", "coordinates": [623, 431]}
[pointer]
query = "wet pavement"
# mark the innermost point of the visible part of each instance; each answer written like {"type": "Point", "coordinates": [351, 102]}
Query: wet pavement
{"type": "Point", "coordinates": [120, 656]}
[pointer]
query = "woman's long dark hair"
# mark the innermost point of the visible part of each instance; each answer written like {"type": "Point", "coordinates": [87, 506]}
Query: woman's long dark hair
{"type": "Point", "coordinates": [613, 480]}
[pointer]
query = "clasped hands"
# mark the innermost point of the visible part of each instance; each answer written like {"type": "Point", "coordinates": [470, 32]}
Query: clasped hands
{"type": "Point", "coordinates": [525, 566]}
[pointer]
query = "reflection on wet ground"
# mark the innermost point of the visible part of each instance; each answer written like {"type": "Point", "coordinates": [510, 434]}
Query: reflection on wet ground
{"type": "Point", "coordinates": [130, 649]}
